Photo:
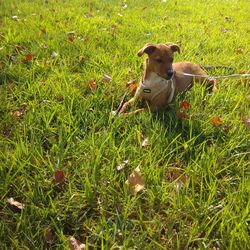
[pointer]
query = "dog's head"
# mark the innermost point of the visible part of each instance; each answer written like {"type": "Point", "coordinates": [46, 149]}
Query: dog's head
{"type": "Point", "coordinates": [160, 58]}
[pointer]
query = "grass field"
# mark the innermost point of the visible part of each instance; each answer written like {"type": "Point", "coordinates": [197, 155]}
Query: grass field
{"type": "Point", "coordinates": [61, 150]}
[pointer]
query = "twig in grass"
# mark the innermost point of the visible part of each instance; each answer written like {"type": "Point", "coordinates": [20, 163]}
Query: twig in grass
{"type": "Point", "coordinates": [121, 104]}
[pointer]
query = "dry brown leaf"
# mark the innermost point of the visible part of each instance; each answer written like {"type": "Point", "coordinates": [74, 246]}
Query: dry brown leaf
{"type": "Point", "coordinates": [185, 105]}
{"type": "Point", "coordinates": [43, 31]}
{"type": "Point", "coordinates": [135, 181]}
{"type": "Point", "coordinates": [183, 115]}
{"type": "Point", "coordinates": [92, 85]}
{"type": "Point", "coordinates": [246, 122]}
{"type": "Point", "coordinates": [49, 236]}
{"type": "Point", "coordinates": [71, 36]}
{"type": "Point", "coordinates": [19, 113]}
{"type": "Point", "coordinates": [75, 244]}
{"type": "Point", "coordinates": [216, 121]}
{"type": "Point", "coordinates": [29, 57]}
{"type": "Point", "coordinates": [176, 175]}
{"type": "Point", "coordinates": [132, 86]}
{"type": "Point", "coordinates": [16, 205]}
{"type": "Point", "coordinates": [59, 177]}
{"type": "Point", "coordinates": [106, 78]}
{"type": "Point", "coordinates": [240, 50]}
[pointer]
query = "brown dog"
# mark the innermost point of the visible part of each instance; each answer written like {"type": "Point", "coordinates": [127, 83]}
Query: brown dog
{"type": "Point", "coordinates": [162, 79]}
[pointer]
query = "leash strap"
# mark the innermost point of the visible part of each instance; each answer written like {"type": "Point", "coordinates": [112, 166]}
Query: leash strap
{"type": "Point", "coordinates": [213, 77]}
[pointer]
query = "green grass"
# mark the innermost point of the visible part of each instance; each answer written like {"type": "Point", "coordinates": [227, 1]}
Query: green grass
{"type": "Point", "coordinates": [66, 126]}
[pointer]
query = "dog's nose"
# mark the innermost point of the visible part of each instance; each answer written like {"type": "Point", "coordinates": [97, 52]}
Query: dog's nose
{"type": "Point", "coordinates": [170, 73]}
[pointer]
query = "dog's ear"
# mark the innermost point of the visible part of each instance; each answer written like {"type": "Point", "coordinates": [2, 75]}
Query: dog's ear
{"type": "Point", "coordinates": [147, 48]}
{"type": "Point", "coordinates": [175, 47]}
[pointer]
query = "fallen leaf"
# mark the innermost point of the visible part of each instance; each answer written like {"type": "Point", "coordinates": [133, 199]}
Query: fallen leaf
{"type": "Point", "coordinates": [106, 78]}
{"type": "Point", "coordinates": [176, 175]}
{"type": "Point", "coordinates": [183, 115]}
{"type": "Point", "coordinates": [135, 181]}
{"type": "Point", "coordinates": [49, 236]}
{"type": "Point", "coordinates": [59, 177]}
{"type": "Point", "coordinates": [43, 31]}
{"type": "Point", "coordinates": [71, 36]}
{"type": "Point", "coordinates": [122, 165]}
{"type": "Point", "coordinates": [185, 105]}
{"type": "Point", "coordinates": [216, 121]}
{"type": "Point", "coordinates": [240, 50]}
{"type": "Point", "coordinates": [18, 206]}
{"type": "Point", "coordinates": [75, 244]}
{"type": "Point", "coordinates": [213, 83]}
{"type": "Point", "coordinates": [92, 85]}
{"type": "Point", "coordinates": [246, 122]}
{"type": "Point", "coordinates": [132, 86]}
{"type": "Point", "coordinates": [20, 112]}
{"type": "Point", "coordinates": [29, 57]}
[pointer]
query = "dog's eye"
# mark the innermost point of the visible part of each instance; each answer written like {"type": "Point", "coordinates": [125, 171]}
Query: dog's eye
{"type": "Point", "coordinates": [158, 60]}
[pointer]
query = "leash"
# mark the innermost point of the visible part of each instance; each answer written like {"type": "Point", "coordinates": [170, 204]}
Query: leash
{"type": "Point", "coordinates": [213, 77]}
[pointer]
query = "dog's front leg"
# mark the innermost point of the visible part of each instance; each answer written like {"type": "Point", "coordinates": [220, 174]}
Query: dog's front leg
{"type": "Point", "coordinates": [127, 105]}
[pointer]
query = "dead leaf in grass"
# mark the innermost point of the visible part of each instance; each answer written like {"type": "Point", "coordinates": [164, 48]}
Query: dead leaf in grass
{"type": "Point", "coordinates": [106, 78]}
{"type": "Point", "coordinates": [15, 205]}
{"type": "Point", "coordinates": [183, 115]}
{"type": "Point", "coordinates": [29, 57]}
{"type": "Point", "coordinates": [20, 112]}
{"type": "Point", "coordinates": [132, 86]}
{"type": "Point", "coordinates": [71, 36]}
{"type": "Point", "coordinates": [246, 122]}
{"type": "Point", "coordinates": [75, 244]}
{"type": "Point", "coordinates": [43, 31]}
{"type": "Point", "coordinates": [49, 236]}
{"type": "Point", "coordinates": [240, 50]}
{"type": "Point", "coordinates": [216, 121]}
{"type": "Point", "coordinates": [92, 85]}
{"type": "Point", "coordinates": [185, 105]}
{"type": "Point", "coordinates": [59, 177]}
{"type": "Point", "coordinates": [177, 176]}
{"type": "Point", "coordinates": [122, 166]}
{"type": "Point", "coordinates": [135, 181]}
